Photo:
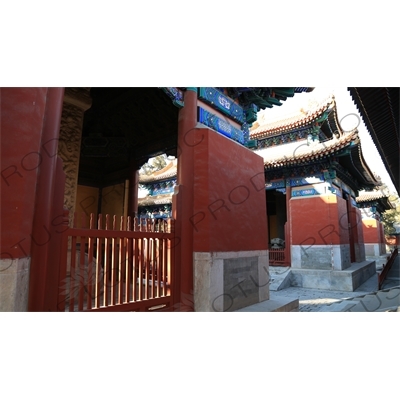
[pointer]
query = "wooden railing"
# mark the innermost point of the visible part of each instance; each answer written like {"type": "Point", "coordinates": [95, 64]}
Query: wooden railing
{"type": "Point", "coordinates": [386, 268]}
{"type": "Point", "coordinates": [278, 257]}
{"type": "Point", "coordinates": [125, 266]}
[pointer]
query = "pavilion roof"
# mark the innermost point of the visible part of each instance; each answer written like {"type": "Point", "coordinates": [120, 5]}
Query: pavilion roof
{"type": "Point", "coordinates": [302, 152]}
{"type": "Point", "coordinates": [264, 127]}
{"type": "Point", "coordinates": [377, 197]}
{"type": "Point", "coordinates": [369, 196]}
{"type": "Point", "coordinates": [169, 171]}
{"type": "Point", "coordinates": [345, 148]}
{"type": "Point", "coordinates": [155, 200]}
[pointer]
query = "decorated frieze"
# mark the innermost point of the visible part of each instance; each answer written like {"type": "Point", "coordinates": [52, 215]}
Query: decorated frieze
{"type": "Point", "coordinates": [222, 103]}
{"type": "Point", "coordinates": [292, 135]}
{"type": "Point", "coordinates": [296, 171]}
{"type": "Point", "coordinates": [155, 211]}
{"type": "Point", "coordinates": [158, 188]}
{"type": "Point", "coordinates": [317, 189]}
{"type": "Point", "coordinates": [275, 184]}
{"type": "Point", "coordinates": [175, 94]}
{"type": "Point", "coordinates": [280, 139]}
{"type": "Point", "coordinates": [220, 125]}
{"type": "Point", "coordinates": [162, 188]}
{"type": "Point", "coordinates": [308, 192]}
{"type": "Point", "coordinates": [293, 182]}
{"type": "Point", "coordinates": [318, 178]}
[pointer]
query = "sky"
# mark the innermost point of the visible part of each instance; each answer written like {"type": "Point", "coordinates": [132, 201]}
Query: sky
{"type": "Point", "coordinates": [346, 110]}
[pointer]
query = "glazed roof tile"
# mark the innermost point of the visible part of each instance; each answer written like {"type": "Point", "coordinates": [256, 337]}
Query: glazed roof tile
{"type": "Point", "coordinates": [370, 196]}
{"type": "Point", "coordinates": [378, 197]}
{"type": "Point", "coordinates": [156, 200]}
{"type": "Point", "coordinates": [168, 171]}
{"type": "Point", "coordinates": [306, 115]}
{"type": "Point", "coordinates": [299, 152]}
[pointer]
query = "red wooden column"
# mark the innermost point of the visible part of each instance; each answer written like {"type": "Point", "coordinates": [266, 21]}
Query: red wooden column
{"type": "Point", "coordinates": [23, 151]}
{"type": "Point", "coordinates": [382, 243]}
{"type": "Point", "coordinates": [288, 239]}
{"type": "Point", "coordinates": [43, 220]}
{"type": "Point", "coordinates": [183, 204]}
{"type": "Point", "coordinates": [355, 232]}
{"type": "Point", "coordinates": [351, 224]}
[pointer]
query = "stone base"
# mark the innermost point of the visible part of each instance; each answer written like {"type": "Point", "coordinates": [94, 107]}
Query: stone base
{"type": "Point", "coordinates": [14, 284]}
{"type": "Point", "coordinates": [347, 280]}
{"type": "Point", "coordinates": [273, 305]}
{"type": "Point", "coordinates": [228, 281]}
{"type": "Point", "coordinates": [323, 257]}
{"type": "Point", "coordinates": [373, 249]}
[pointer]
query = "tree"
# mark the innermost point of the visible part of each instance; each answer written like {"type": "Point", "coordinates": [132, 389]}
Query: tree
{"type": "Point", "coordinates": [389, 217]}
{"type": "Point", "coordinates": [154, 164]}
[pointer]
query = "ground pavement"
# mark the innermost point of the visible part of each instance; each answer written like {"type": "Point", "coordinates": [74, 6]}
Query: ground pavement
{"type": "Point", "coordinates": [315, 300]}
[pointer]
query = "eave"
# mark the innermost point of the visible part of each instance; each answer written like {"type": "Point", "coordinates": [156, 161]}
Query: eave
{"type": "Point", "coordinates": [380, 109]}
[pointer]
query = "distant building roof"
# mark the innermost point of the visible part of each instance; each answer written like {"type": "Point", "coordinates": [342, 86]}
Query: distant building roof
{"type": "Point", "coordinates": [369, 196]}
{"type": "Point", "coordinates": [300, 152]}
{"type": "Point", "coordinates": [265, 126]}
{"type": "Point", "coordinates": [168, 171]}
{"type": "Point", "coordinates": [377, 198]}
{"type": "Point", "coordinates": [155, 200]}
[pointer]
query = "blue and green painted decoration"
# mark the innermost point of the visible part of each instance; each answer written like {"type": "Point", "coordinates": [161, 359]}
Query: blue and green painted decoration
{"type": "Point", "coordinates": [220, 125]}
{"type": "Point", "coordinates": [225, 101]}
{"type": "Point", "coordinates": [222, 103]}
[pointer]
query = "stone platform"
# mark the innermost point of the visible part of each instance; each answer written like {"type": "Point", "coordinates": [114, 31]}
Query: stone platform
{"type": "Point", "coordinates": [346, 280]}
{"type": "Point", "coordinates": [274, 304]}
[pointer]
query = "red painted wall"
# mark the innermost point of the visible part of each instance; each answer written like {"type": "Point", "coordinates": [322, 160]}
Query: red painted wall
{"type": "Point", "coordinates": [371, 230]}
{"type": "Point", "coordinates": [229, 196]}
{"type": "Point", "coordinates": [22, 111]}
{"type": "Point", "coordinates": [318, 220]}
{"type": "Point", "coordinates": [359, 226]}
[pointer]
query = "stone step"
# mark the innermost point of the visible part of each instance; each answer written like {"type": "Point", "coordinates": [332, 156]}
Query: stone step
{"type": "Point", "coordinates": [280, 278]}
{"type": "Point", "coordinates": [339, 306]}
{"type": "Point", "coordinates": [273, 305]}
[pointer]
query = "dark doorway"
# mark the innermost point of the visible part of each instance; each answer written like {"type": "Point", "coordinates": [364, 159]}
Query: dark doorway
{"type": "Point", "coordinates": [277, 214]}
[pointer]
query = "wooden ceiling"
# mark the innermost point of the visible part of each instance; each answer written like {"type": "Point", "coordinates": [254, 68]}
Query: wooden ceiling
{"type": "Point", "coordinates": [124, 126]}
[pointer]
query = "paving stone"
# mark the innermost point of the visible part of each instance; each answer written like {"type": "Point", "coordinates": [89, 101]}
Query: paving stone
{"type": "Point", "coordinates": [372, 302]}
{"type": "Point", "coordinates": [389, 298]}
{"type": "Point", "coordinates": [315, 300]}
